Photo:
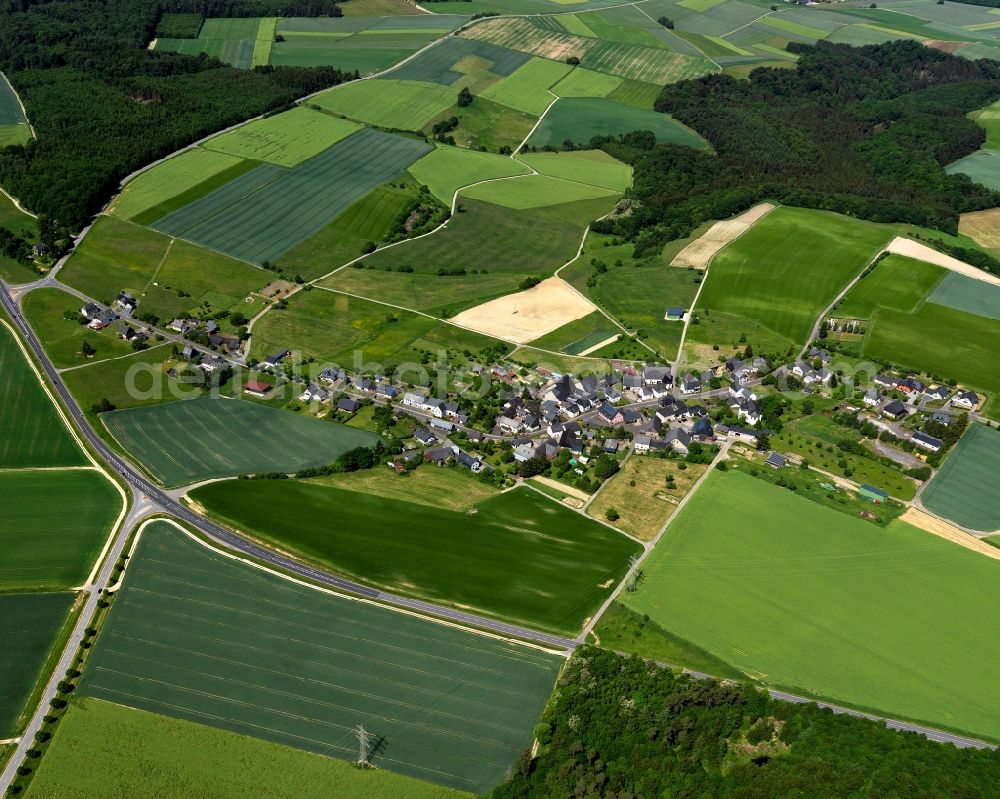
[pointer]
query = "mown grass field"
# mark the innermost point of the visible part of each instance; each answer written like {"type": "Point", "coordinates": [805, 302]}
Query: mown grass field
{"type": "Point", "coordinates": [897, 282]}
{"type": "Point", "coordinates": [231, 40]}
{"type": "Point", "coordinates": [788, 267]}
{"type": "Point", "coordinates": [488, 125]}
{"type": "Point", "coordinates": [579, 119]}
{"type": "Point", "coordinates": [537, 191]}
{"type": "Point", "coordinates": [184, 442]}
{"type": "Point", "coordinates": [523, 557]}
{"type": "Point", "coordinates": [586, 83]}
{"type": "Point", "coordinates": [966, 488]}
{"type": "Point", "coordinates": [102, 748]}
{"type": "Point", "coordinates": [63, 338]}
{"type": "Point", "coordinates": [576, 336]}
{"type": "Point", "coordinates": [177, 176]}
{"type": "Point", "coordinates": [937, 339]}
{"type": "Point", "coordinates": [295, 203]}
{"type": "Point", "coordinates": [340, 329]}
{"type": "Point", "coordinates": [404, 104]}
{"type": "Point", "coordinates": [117, 255]}
{"type": "Point", "coordinates": [967, 294]}
{"type": "Point", "coordinates": [133, 381]}
{"type": "Point", "coordinates": [444, 170]}
{"type": "Point", "coordinates": [645, 507]}
{"type": "Point", "coordinates": [29, 626]}
{"type": "Point", "coordinates": [367, 219]}
{"type": "Point", "coordinates": [285, 139]}
{"type": "Point", "coordinates": [198, 636]}
{"type": "Point", "coordinates": [450, 489]}
{"type": "Point", "coordinates": [527, 89]}
{"type": "Point", "coordinates": [52, 526]}
{"type": "Point", "coordinates": [590, 167]}
{"type": "Point", "coordinates": [31, 432]}
{"type": "Point", "coordinates": [871, 617]}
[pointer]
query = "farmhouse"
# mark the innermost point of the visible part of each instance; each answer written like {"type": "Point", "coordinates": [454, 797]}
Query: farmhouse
{"type": "Point", "coordinates": [610, 415]}
{"type": "Point", "coordinates": [928, 442]}
{"type": "Point", "coordinates": [872, 397]}
{"type": "Point", "coordinates": [872, 494]}
{"type": "Point", "coordinates": [937, 393]}
{"type": "Point", "coordinates": [691, 384]}
{"type": "Point", "coordinates": [315, 393]}
{"type": "Point", "coordinates": [125, 303]}
{"type": "Point", "coordinates": [745, 434]}
{"type": "Point", "coordinates": [895, 410]}
{"type": "Point", "coordinates": [256, 388]}
{"type": "Point", "coordinates": [438, 456]}
{"type": "Point", "coordinates": [330, 375]}
{"type": "Point", "coordinates": [98, 316]}
{"type": "Point", "coordinates": [966, 399]}
{"type": "Point", "coordinates": [348, 405]}
{"type": "Point", "coordinates": [679, 439]}
{"type": "Point", "coordinates": [653, 374]}
{"type": "Point", "coordinates": [424, 436]}
{"type": "Point", "coordinates": [272, 361]}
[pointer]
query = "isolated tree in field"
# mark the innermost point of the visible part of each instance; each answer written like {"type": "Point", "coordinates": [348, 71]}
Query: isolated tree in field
{"type": "Point", "coordinates": [612, 515]}
{"type": "Point", "coordinates": [465, 97]}
{"type": "Point", "coordinates": [573, 60]}
{"type": "Point", "coordinates": [87, 349]}
{"type": "Point", "coordinates": [666, 22]}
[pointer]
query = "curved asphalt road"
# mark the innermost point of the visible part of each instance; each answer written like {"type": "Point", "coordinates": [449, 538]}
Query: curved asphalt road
{"type": "Point", "coordinates": [140, 485]}
{"type": "Point", "coordinates": [238, 543]}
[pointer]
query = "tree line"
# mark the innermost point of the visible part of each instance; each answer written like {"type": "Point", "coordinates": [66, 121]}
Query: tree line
{"type": "Point", "coordinates": [862, 131]}
{"type": "Point", "coordinates": [103, 105]}
{"type": "Point", "coordinates": [621, 728]}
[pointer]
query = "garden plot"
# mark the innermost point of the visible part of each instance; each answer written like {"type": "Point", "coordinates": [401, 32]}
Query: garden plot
{"type": "Point", "coordinates": [528, 315]}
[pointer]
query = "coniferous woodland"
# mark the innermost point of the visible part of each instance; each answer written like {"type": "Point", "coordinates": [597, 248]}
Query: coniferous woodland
{"type": "Point", "coordinates": [619, 728]}
{"type": "Point", "coordinates": [863, 131]}
{"type": "Point", "coordinates": [103, 105]}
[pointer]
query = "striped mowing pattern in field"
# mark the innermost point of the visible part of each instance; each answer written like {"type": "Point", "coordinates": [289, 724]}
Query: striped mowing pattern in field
{"type": "Point", "coordinates": [522, 34]}
{"type": "Point", "coordinates": [195, 635]}
{"type": "Point", "coordinates": [272, 209]}
{"type": "Point", "coordinates": [645, 63]}
{"type": "Point", "coordinates": [527, 89]}
{"type": "Point", "coordinates": [967, 487]}
{"type": "Point", "coordinates": [183, 442]}
{"type": "Point", "coordinates": [31, 433]}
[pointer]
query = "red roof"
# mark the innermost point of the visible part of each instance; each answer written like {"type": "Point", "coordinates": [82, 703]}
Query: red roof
{"type": "Point", "coordinates": [256, 386]}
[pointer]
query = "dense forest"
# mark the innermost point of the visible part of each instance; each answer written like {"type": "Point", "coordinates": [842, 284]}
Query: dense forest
{"type": "Point", "coordinates": [619, 728]}
{"type": "Point", "coordinates": [864, 131]}
{"type": "Point", "coordinates": [253, 8]}
{"type": "Point", "coordinates": [103, 105]}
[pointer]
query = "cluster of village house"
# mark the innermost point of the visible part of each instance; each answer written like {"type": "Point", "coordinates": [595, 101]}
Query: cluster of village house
{"type": "Point", "coordinates": [122, 311]}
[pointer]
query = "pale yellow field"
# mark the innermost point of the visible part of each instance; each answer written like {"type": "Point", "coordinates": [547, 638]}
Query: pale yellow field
{"type": "Point", "coordinates": [527, 315]}
{"type": "Point", "coordinates": [943, 529]}
{"type": "Point", "coordinates": [519, 34]}
{"type": "Point", "coordinates": [914, 249]}
{"type": "Point", "coordinates": [435, 486]}
{"type": "Point", "coordinates": [645, 507]}
{"type": "Point", "coordinates": [701, 251]}
{"type": "Point", "coordinates": [983, 227]}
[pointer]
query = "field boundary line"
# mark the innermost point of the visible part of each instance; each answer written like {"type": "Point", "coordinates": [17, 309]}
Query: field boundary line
{"type": "Point", "coordinates": [741, 27]}
{"type": "Point", "coordinates": [648, 546]}
{"type": "Point", "coordinates": [598, 346]}
{"type": "Point", "coordinates": [107, 360]}
{"type": "Point", "coordinates": [705, 55]}
{"type": "Point", "coordinates": [332, 592]}
{"type": "Point", "coordinates": [555, 99]}
{"type": "Point", "coordinates": [126, 503]}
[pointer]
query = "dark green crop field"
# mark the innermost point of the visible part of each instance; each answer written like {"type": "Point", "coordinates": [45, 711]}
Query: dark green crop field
{"type": "Point", "coordinates": [31, 432]}
{"type": "Point", "coordinates": [269, 210]}
{"type": "Point", "coordinates": [516, 556]}
{"type": "Point", "coordinates": [184, 442]}
{"type": "Point", "coordinates": [196, 635]}
{"type": "Point", "coordinates": [29, 625]}
{"type": "Point", "coordinates": [52, 526]}
{"type": "Point", "coordinates": [967, 487]}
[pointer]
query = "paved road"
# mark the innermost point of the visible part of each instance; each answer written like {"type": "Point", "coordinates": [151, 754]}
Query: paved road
{"type": "Point", "coordinates": [131, 474]}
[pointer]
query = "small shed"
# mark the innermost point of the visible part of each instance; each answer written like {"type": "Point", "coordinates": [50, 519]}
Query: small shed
{"type": "Point", "coordinates": [674, 315]}
{"type": "Point", "coordinates": [775, 460]}
{"type": "Point", "coordinates": [872, 494]}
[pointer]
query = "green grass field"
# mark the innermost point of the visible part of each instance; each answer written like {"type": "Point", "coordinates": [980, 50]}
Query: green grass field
{"type": "Point", "coordinates": [590, 167]}
{"type": "Point", "coordinates": [538, 191]}
{"type": "Point", "coordinates": [897, 282]}
{"type": "Point", "coordinates": [788, 267]}
{"type": "Point", "coordinates": [488, 125]}
{"type": "Point", "coordinates": [285, 139]}
{"type": "Point", "coordinates": [527, 89]}
{"type": "Point", "coordinates": [196, 635]}
{"type": "Point", "coordinates": [983, 166]}
{"type": "Point", "coordinates": [31, 432]}
{"type": "Point", "coordinates": [586, 83]}
{"type": "Point", "coordinates": [184, 442]}
{"type": "Point", "coordinates": [446, 169]}
{"type": "Point", "coordinates": [524, 558]}
{"type": "Point", "coordinates": [965, 489]}
{"type": "Point", "coordinates": [29, 626]}
{"type": "Point", "coordinates": [408, 105]}
{"type": "Point", "coordinates": [450, 61]}
{"type": "Point", "coordinates": [63, 338]}
{"type": "Point", "coordinates": [231, 40]}
{"type": "Point", "coordinates": [101, 749]}
{"type": "Point", "coordinates": [295, 203]}
{"type": "Point", "coordinates": [340, 329]}
{"type": "Point", "coordinates": [579, 119]}
{"type": "Point", "coordinates": [52, 526]}
{"type": "Point", "coordinates": [577, 336]}
{"type": "Point", "coordinates": [368, 219]}
{"type": "Point", "coordinates": [967, 294]}
{"type": "Point", "coordinates": [872, 617]}
{"type": "Point", "coordinates": [914, 340]}
{"type": "Point", "coordinates": [169, 277]}
{"type": "Point", "coordinates": [178, 175]}
{"type": "Point", "coordinates": [21, 225]}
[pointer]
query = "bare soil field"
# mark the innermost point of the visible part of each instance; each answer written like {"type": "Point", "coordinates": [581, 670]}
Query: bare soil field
{"type": "Point", "coordinates": [922, 252]}
{"type": "Point", "coordinates": [526, 315]}
{"type": "Point", "coordinates": [983, 227]}
{"type": "Point", "coordinates": [938, 527]}
{"type": "Point", "coordinates": [520, 34]}
{"type": "Point", "coordinates": [701, 251]}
